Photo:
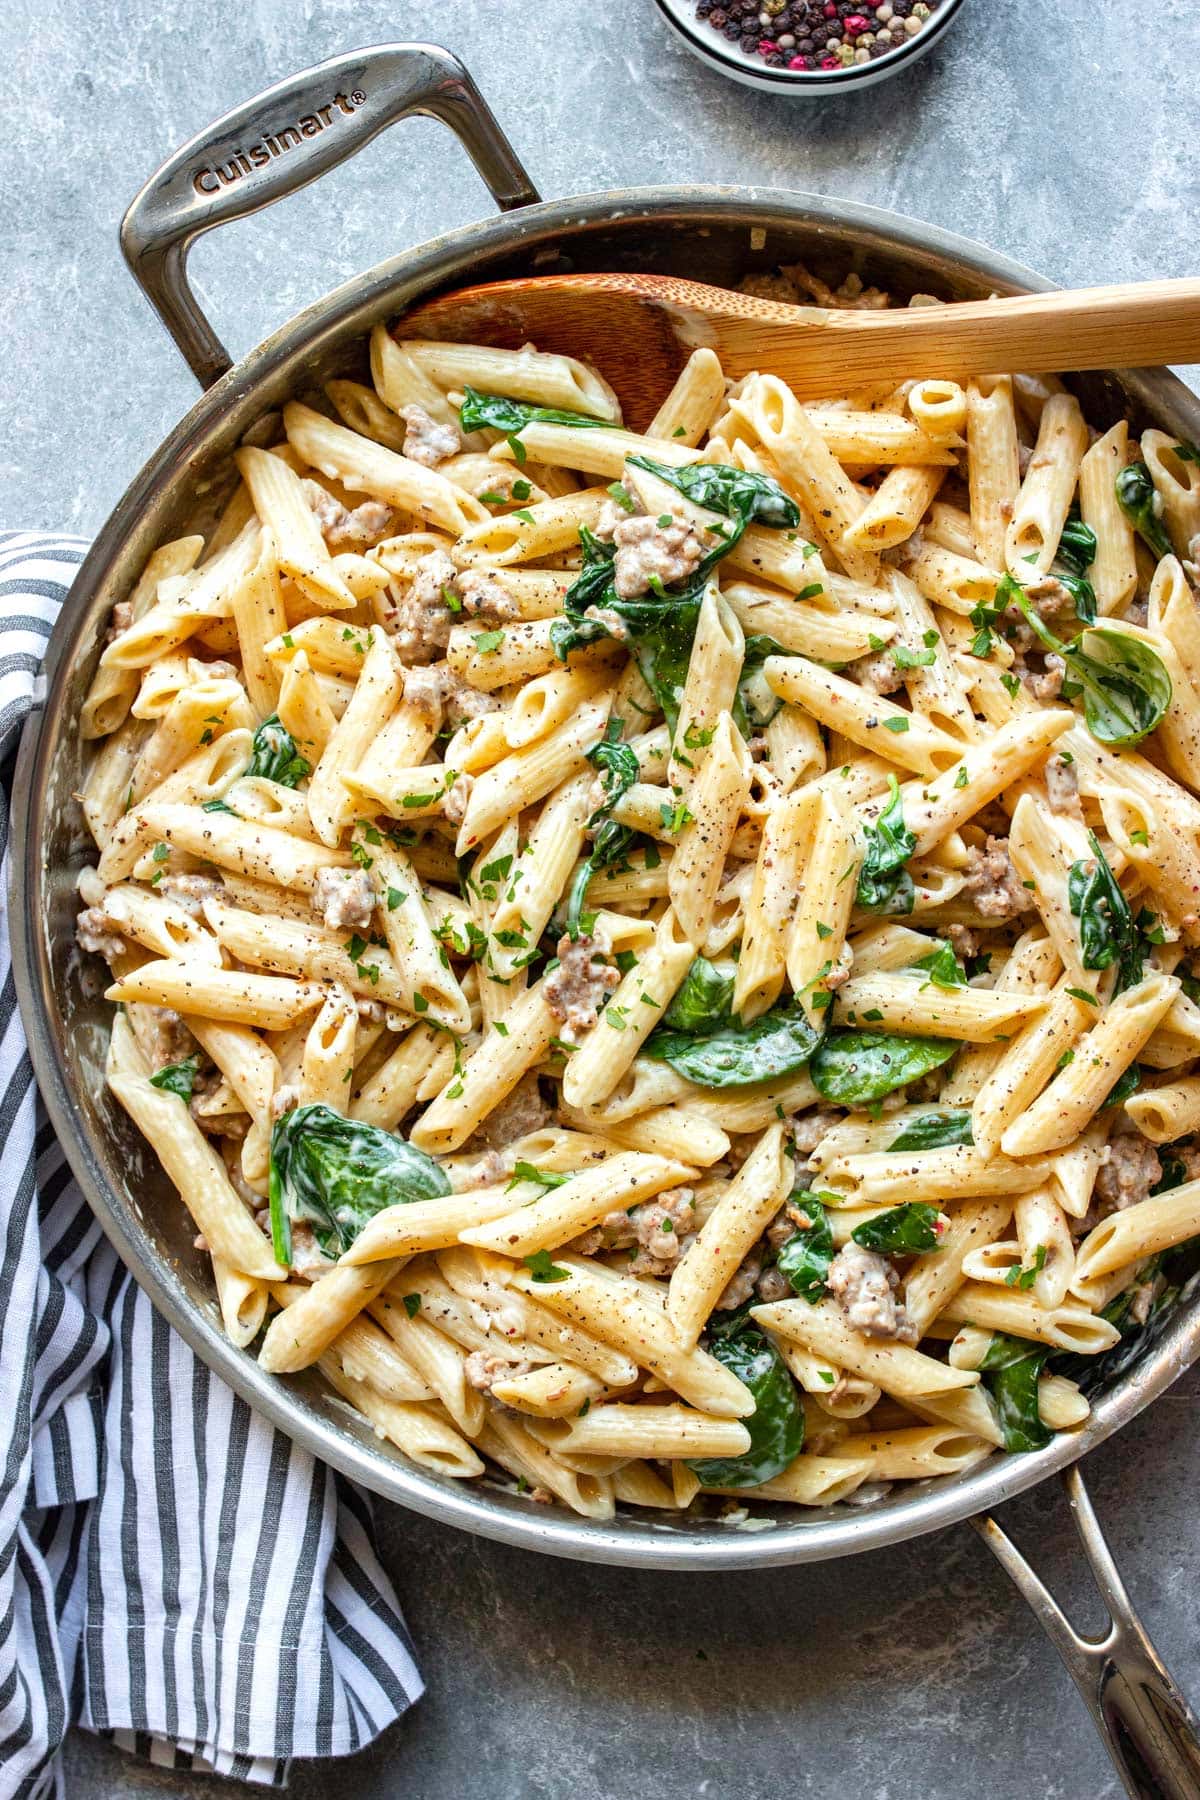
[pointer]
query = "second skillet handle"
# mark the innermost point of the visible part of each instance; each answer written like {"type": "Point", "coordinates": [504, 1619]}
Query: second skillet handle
{"type": "Point", "coordinates": [1149, 1730]}
{"type": "Point", "coordinates": [280, 141]}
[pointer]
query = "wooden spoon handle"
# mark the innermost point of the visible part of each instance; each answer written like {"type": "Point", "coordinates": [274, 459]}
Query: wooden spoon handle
{"type": "Point", "coordinates": [1134, 326]}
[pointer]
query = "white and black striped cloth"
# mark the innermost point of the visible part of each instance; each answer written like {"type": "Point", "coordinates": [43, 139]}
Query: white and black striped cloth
{"type": "Point", "coordinates": [174, 1573]}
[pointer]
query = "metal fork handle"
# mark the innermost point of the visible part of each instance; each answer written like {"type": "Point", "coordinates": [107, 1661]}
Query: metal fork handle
{"type": "Point", "coordinates": [1148, 1728]}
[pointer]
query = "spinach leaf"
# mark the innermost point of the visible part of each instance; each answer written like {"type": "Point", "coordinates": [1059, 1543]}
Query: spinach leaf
{"type": "Point", "coordinates": [609, 846]}
{"type": "Point", "coordinates": [755, 705]}
{"type": "Point", "coordinates": [660, 626]}
{"type": "Point", "coordinates": [902, 1231]}
{"type": "Point", "coordinates": [933, 1131]}
{"type": "Point", "coordinates": [1077, 546]}
{"type": "Point", "coordinates": [274, 755]}
{"type": "Point", "coordinates": [592, 587]}
{"type": "Point", "coordinates": [943, 967]}
{"type": "Point", "coordinates": [1125, 685]}
{"type": "Point", "coordinates": [807, 1254]}
{"type": "Point", "coordinates": [884, 884]}
{"type": "Point", "coordinates": [777, 1043]}
{"type": "Point", "coordinates": [178, 1078]}
{"type": "Point", "coordinates": [1125, 1088]}
{"type": "Point", "coordinates": [618, 767]}
{"type": "Point", "coordinates": [1003, 1350]}
{"type": "Point", "coordinates": [1083, 594]}
{"type": "Point", "coordinates": [853, 1068]}
{"type": "Point", "coordinates": [1074, 557]}
{"type": "Point", "coordinates": [511, 416]}
{"type": "Point", "coordinates": [732, 1321]}
{"type": "Point", "coordinates": [738, 493]}
{"type": "Point", "coordinates": [703, 1002]}
{"type": "Point", "coordinates": [776, 1425]}
{"type": "Point", "coordinates": [1014, 1388]}
{"type": "Point", "coordinates": [1138, 500]}
{"type": "Point", "coordinates": [337, 1173]}
{"type": "Point", "coordinates": [1108, 932]}
{"type": "Point", "coordinates": [663, 633]}
{"type": "Point", "coordinates": [616, 763]}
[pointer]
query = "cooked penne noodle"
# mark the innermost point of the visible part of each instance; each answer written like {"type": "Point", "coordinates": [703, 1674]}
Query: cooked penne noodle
{"type": "Point", "coordinates": [1040, 509]}
{"type": "Point", "coordinates": [740, 1217]}
{"type": "Point", "coordinates": [893, 1367]}
{"type": "Point", "coordinates": [1113, 573]}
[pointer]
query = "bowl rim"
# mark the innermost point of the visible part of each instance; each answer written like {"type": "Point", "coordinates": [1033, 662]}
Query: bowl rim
{"type": "Point", "coordinates": [810, 82]}
{"type": "Point", "coordinates": [487, 1510]}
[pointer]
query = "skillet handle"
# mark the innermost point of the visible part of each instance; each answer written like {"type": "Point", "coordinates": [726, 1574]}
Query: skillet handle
{"type": "Point", "coordinates": [1149, 1730]}
{"type": "Point", "coordinates": [280, 141]}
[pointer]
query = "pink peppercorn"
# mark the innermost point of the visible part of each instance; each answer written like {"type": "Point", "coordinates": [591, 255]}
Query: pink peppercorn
{"type": "Point", "coordinates": [766, 47]}
{"type": "Point", "coordinates": [798, 62]}
{"type": "Point", "coordinates": [855, 25]}
{"type": "Point", "coordinates": [830, 62]}
{"type": "Point", "coordinates": [831, 11]}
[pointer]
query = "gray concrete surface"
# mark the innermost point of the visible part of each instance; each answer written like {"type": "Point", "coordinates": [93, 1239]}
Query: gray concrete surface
{"type": "Point", "coordinates": [1062, 135]}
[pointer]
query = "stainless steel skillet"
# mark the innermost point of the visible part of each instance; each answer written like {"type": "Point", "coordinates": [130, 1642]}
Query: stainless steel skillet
{"type": "Point", "coordinates": [262, 151]}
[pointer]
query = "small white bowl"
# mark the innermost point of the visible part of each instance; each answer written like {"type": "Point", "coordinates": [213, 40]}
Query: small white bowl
{"type": "Point", "coordinates": [717, 52]}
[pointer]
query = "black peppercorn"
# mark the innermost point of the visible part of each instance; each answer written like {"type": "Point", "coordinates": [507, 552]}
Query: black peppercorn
{"type": "Point", "coordinates": [796, 34]}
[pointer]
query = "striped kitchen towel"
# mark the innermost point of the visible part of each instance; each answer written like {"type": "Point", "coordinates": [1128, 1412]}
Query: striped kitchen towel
{"type": "Point", "coordinates": [174, 1573]}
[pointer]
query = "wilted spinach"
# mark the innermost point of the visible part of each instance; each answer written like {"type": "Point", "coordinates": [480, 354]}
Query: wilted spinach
{"type": "Point", "coordinates": [1010, 1369]}
{"type": "Point", "coordinates": [934, 1131]}
{"type": "Point", "coordinates": [1125, 685]}
{"type": "Point", "coordinates": [776, 1425]}
{"type": "Point", "coordinates": [884, 884]}
{"type": "Point", "coordinates": [178, 1078]}
{"type": "Point", "coordinates": [854, 1068]}
{"type": "Point", "coordinates": [1108, 931]}
{"type": "Point", "coordinates": [1125, 1088]}
{"type": "Point", "coordinates": [336, 1173]}
{"type": "Point", "coordinates": [776, 1044]}
{"type": "Point", "coordinates": [274, 756]}
{"type": "Point", "coordinates": [1077, 545]}
{"type": "Point", "coordinates": [660, 625]}
{"type": "Point", "coordinates": [737, 493]}
{"type": "Point", "coordinates": [1137, 497]}
{"type": "Point", "coordinates": [1075, 555]}
{"type": "Point", "coordinates": [906, 1230]}
{"type": "Point", "coordinates": [617, 764]}
{"type": "Point", "coordinates": [703, 1002]}
{"type": "Point", "coordinates": [755, 704]}
{"type": "Point", "coordinates": [807, 1254]}
{"type": "Point", "coordinates": [498, 413]}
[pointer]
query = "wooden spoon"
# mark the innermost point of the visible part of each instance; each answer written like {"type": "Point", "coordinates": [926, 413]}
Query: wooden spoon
{"type": "Point", "coordinates": [639, 330]}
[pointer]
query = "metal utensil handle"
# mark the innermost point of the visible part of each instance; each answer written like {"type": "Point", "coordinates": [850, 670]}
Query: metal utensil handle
{"type": "Point", "coordinates": [280, 141]}
{"type": "Point", "coordinates": [1148, 1727]}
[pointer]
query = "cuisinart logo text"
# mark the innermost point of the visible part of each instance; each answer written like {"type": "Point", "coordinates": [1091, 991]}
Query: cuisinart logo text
{"type": "Point", "coordinates": [213, 177]}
